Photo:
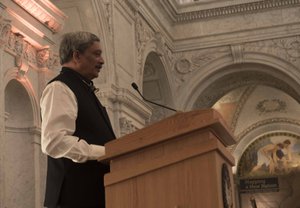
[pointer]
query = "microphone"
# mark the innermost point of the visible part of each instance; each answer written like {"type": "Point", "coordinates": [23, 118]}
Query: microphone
{"type": "Point", "coordinates": [134, 86]}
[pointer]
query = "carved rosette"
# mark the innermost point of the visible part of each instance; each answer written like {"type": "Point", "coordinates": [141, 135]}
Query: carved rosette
{"type": "Point", "coordinates": [188, 62]}
{"type": "Point", "coordinates": [183, 66]}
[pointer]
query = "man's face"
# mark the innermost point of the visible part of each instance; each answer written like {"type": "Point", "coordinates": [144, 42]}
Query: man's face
{"type": "Point", "coordinates": [91, 61]}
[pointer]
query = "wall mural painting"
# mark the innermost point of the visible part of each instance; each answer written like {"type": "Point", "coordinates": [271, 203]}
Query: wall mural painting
{"type": "Point", "coordinates": [272, 154]}
{"type": "Point", "coordinates": [269, 172]}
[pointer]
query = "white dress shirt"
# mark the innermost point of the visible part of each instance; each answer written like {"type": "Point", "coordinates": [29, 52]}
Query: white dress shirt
{"type": "Point", "coordinates": [59, 113]}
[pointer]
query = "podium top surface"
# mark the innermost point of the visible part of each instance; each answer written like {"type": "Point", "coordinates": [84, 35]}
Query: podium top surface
{"type": "Point", "coordinates": [180, 124]}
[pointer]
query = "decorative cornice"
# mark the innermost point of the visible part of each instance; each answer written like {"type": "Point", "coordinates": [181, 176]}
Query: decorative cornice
{"type": "Point", "coordinates": [266, 122]}
{"type": "Point", "coordinates": [222, 11]}
{"type": "Point", "coordinates": [24, 52]}
{"type": "Point", "coordinates": [40, 13]}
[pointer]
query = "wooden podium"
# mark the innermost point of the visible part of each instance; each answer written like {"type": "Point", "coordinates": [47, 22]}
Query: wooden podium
{"type": "Point", "coordinates": [175, 163]}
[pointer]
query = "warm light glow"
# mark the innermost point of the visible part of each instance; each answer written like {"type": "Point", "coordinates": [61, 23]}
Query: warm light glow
{"type": "Point", "coordinates": [40, 14]}
{"type": "Point", "coordinates": [29, 26]}
{"type": "Point", "coordinates": [54, 8]}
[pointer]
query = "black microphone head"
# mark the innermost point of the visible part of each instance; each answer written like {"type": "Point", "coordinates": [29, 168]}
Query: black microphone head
{"type": "Point", "coordinates": [134, 86]}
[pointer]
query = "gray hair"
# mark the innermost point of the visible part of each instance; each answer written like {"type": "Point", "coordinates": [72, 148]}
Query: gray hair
{"type": "Point", "coordinates": [75, 41]}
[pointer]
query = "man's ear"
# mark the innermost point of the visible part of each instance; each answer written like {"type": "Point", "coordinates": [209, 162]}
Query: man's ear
{"type": "Point", "coordinates": [76, 56]}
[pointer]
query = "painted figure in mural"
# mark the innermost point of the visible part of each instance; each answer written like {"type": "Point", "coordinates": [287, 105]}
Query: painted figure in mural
{"type": "Point", "coordinates": [271, 155]}
{"type": "Point", "coordinates": [283, 156]}
{"type": "Point", "coordinates": [75, 127]}
{"type": "Point", "coordinates": [253, 202]}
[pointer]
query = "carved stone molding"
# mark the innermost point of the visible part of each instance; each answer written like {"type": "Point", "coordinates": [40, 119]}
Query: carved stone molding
{"type": "Point", "coordinates": [266, 122]}
{"type": "Point", "coordinates": [143, 34]}
{"type": "Point", "coordinates": [108, 15]}
{"type": "Point", "coordinates": [146, 36]}
{"type": "Point", "coordinates": [25, 53]}
{"type": "Point", "coordinates": [121, 96]}
{"type": "Point", "coordinates": [47, 59]}
{"type": "Point", "coordinates": [126, 126]}
{"type": "Point", "coordinates": [22, 65]}
{"type": "Point", "coordinates": [221, 11]}
{"type": "Point", "coordinates": [5, 29]}
{"type": "Point", "coordinates": [40, 13]}
{"type": "Point", "coordinates": [158, 114]}
{"type": "Point", "coordinates": [159, 43]}
{"type": "Point", "coordinates": [42, 57]}
{"type": "Point", "coordinates": [35, 131]}
{"type": "Point", "coordinates": [285, 48]}
{"type": "Point", "coordinates": [198, 59]}
{"type": "Point", "coordinates": [189, 62]}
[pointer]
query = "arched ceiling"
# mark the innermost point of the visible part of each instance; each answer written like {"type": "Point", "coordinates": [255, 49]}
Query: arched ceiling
{"type": "Point", "coordinates": [226, 83]}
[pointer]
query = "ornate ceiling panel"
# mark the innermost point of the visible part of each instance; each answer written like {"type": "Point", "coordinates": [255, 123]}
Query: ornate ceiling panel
{"type": "Point", "coordinates": [211, 9]}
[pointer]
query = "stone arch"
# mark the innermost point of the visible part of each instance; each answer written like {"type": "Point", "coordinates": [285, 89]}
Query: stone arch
{"type": "Point", "coordinates": [152, 48]}
{"type": "Point", "coordinates": [22, 130]}
{"type": "Point", "coordinates": [156, 86]}
{"type": "Point", "coordinates": [13, 74]}
{"type": "Point", "coordinates": [223, 75]}
{"type": "Point", "coordinates": [19, 157]}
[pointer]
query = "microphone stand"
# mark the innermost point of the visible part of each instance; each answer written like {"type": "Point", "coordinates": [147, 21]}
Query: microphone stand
{"type": "Point", "coordinates": [134, 85]}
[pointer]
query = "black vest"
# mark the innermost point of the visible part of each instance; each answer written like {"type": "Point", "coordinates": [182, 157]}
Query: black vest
{"type": "Point", "coordinates": [80, 184]}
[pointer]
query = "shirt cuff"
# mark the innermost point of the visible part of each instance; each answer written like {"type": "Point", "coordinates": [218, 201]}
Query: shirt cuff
{"type": "Point", "coordinates": [96, 151]}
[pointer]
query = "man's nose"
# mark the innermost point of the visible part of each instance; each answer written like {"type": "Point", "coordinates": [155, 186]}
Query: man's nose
{"type": "Point", "coordinates": [101, 60]}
